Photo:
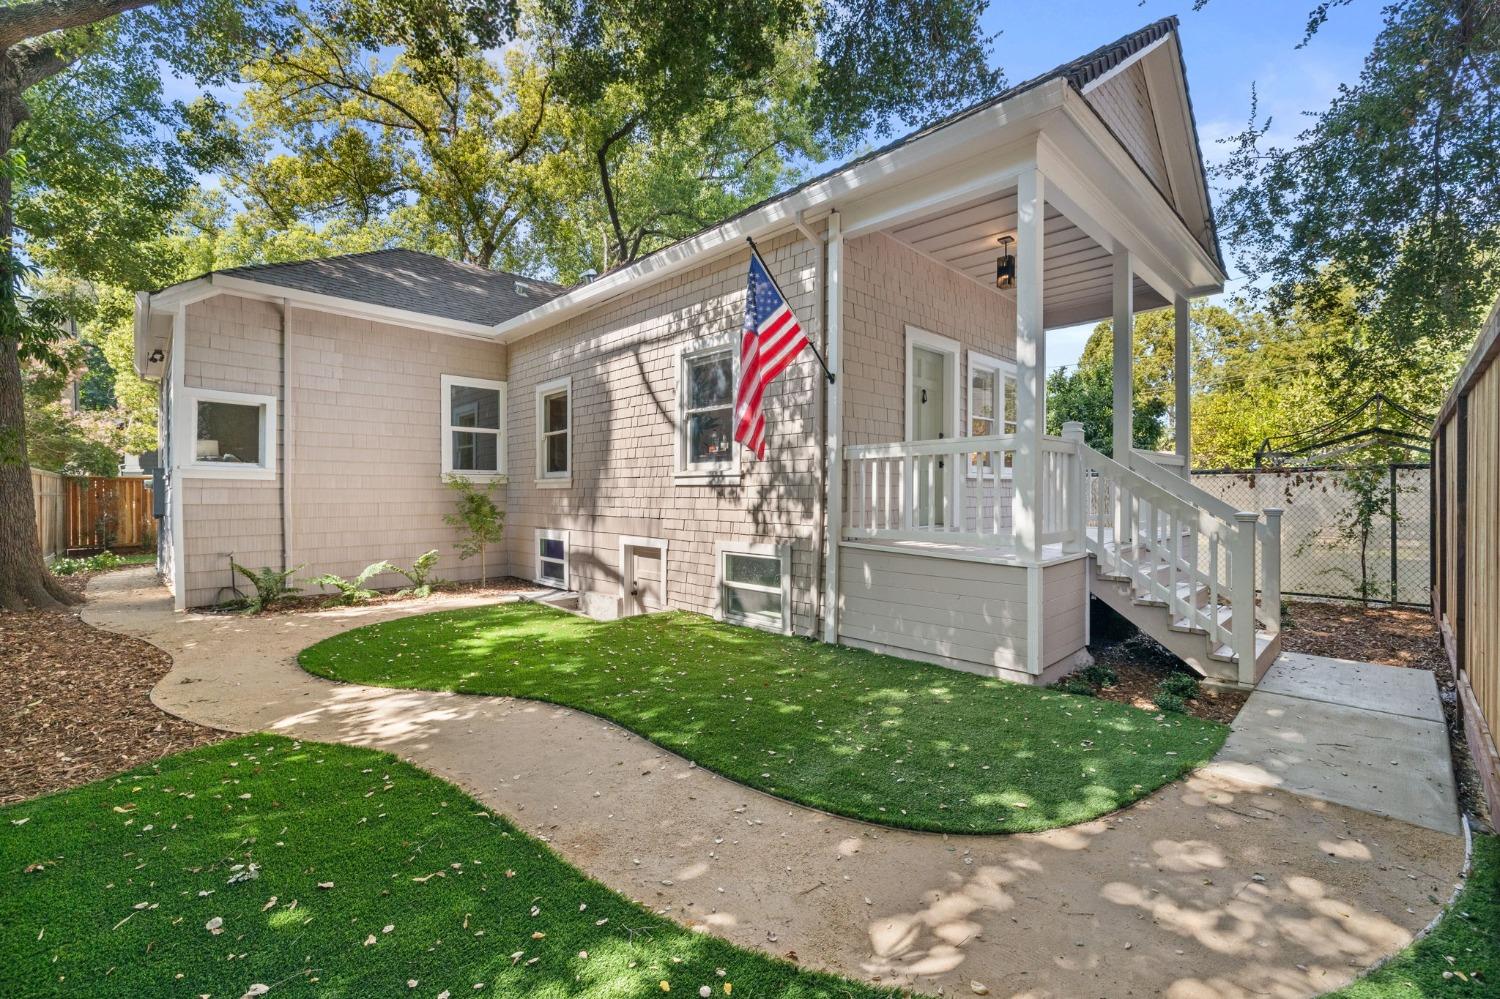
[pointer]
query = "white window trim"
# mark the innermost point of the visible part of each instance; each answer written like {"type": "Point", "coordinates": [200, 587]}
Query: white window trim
{"type": "Point", "coordinates": [186, 405]}
{"type": "Point", "coordinates": [446, 385]}
{"type": "Point", "coordinates": [548, 534]}
{"type": "Point", "coordinates": [917, 337]}
{"type": "Point", "coordinates": [629, 541]}
{"type": "Point", "coordinates": [984, 362]}
{"type": "Point", "coordinates": [544, 478]}
{"type": "Point", "coordinates": [783, 552]}
{"type": "Point", "coordinates": [703, 473]}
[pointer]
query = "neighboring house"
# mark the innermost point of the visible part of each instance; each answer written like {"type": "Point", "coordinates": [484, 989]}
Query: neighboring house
{"type": "Point", "coordinates": [915, 506]}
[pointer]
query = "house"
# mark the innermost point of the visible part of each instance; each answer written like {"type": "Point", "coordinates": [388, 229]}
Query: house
{"type": "Point", "coordinates": [915, 505]}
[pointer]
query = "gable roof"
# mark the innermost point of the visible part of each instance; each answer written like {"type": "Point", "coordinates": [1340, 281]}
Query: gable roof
{"type": "Point", "coordinates": [410, 281]}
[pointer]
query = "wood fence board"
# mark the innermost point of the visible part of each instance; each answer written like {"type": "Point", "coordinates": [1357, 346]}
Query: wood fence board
{"type": "Point", "coordinates": [109, 513]}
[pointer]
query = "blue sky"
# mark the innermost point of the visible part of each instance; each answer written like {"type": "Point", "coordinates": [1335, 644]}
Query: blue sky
{"type": "Point", "coordinates": [1229, 46]}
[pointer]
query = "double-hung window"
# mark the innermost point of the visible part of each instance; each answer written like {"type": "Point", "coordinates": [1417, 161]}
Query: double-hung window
{"type": "Point", "coordinates": [554, 432]}
{"type": "Point", "coordinates": [755, 585]}
{"type": "Point", "coordinates": [992, 405]}
{"type": "Point", "coordinates": [705, 410]}
{"type": "Point", "coordinates": [473, 421]}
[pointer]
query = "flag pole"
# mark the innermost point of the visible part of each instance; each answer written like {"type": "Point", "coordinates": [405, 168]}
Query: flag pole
{"type": "Point", "coordinates": [755, 250]}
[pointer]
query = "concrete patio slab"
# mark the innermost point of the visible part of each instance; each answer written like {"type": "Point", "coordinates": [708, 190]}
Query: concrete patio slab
{"type": "Point", "coordinates": [1211, 888]}
{"type": "Point", "coordinates": [1355, 734]}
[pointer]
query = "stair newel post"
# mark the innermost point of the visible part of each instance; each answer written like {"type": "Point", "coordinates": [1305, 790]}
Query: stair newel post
{"type": "Point", "coordinates": [1076, 497]}
{"type": "Point", "coordinates": [1270, 569]}
{"type": "Point", "coordinates": [1242, 593]}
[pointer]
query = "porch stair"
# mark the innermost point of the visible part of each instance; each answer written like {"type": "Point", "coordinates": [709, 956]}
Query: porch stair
{"type": "Point", "coordinates": [1187, 569]}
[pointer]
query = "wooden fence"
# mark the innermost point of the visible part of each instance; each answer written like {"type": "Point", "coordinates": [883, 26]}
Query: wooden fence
{"type": "Point", "coordinates": [49, 499]}
{"type": "Point", "coordinates": [90, 513]}
{"type": "Point", "coordinates": [1466, 546]}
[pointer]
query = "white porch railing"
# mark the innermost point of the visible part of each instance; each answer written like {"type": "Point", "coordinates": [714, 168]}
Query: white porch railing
{"type": "Point", "coordinates": [1182, 548]}
{"type": "Point", "coordinates": [957, 491]}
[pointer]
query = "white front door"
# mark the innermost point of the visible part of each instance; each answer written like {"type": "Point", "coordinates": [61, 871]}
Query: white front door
{"type": "Point", "coordinates": [929, 408]}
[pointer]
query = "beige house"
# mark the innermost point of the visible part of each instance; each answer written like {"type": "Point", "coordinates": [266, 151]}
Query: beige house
{"type": "Point", "coordinates": [915, 505]}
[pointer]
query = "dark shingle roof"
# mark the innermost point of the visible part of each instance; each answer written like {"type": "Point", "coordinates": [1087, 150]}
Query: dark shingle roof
{"type": "Point", "coordinates": [406, 279]}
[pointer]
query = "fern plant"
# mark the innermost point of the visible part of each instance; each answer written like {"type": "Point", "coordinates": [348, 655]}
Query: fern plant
{"type": "Point", "coordinates": [420, 574]}
{"type": "Point", "coordinates": [271, 585]}
{"type": "Point", "coordinates": [356, 590]}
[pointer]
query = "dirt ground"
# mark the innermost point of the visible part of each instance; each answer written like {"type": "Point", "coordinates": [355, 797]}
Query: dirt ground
{"type": "Point", "coordinates": [307, 602]}
{"type": "Point", "coordinates": [1393, 636]}
{"type": "Point", "coordinates": [76, 703]}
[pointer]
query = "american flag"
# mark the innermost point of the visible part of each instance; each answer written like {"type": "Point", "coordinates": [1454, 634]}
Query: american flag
{"type": "Point", "coordinates": [771, 340]}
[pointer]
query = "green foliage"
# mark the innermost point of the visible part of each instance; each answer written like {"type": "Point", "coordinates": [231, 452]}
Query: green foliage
{"type": "Point", "coordinates": [101, 562]}
{"type": "Point", "coordinates": [1099, 675]}
{"type": "Point", "coordinates": [478, 516]}
{"type": "Point", "coordinates": [271, 585]}
{"type": "Point", "coordinates": [353, 591]}
{"type": "Point", "coordinates": [373, 830]}
{"type": "Point", "coordinates": [842, 729]}
{"type": "Point", "coordinates": [1370, 498]}
{"type": "Point", "coordinates": [420, 574]}
{"type": "Point", "coordinates": [1087, 396]}
{"type": "Point", "coordinates": [1182, 685]}
{"type": "Point", "coordinates": [1075, 685]}
{"type": "Point", "coordinates": [1392, 191]}
{"type": "Point", "coordinates": [1169, 702]}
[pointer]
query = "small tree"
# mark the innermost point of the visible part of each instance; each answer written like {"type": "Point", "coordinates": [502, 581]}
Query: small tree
{"type": "Point", "coordinates": [481, 519]}
{"type": "Point", "coordinates": [1372, 496]}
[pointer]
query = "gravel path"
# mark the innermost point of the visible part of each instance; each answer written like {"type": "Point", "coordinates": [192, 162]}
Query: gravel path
{"type": "Point", "coordinates": [1207, 888]}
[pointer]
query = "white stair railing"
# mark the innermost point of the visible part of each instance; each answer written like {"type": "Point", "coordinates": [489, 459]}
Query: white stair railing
{"type": "Point", "coordinates": [1186, 551]}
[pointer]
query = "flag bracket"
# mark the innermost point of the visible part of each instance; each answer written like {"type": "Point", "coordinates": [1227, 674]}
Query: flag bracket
{"type": "Point", "coordinates": [821, 319]}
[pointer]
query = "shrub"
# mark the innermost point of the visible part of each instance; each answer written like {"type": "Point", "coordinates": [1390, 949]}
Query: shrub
{"type": "Point", "coordinates": [1168, 701]}
{"type": "Point", "coordinates": [481, 519]}
{"type": "Point", "coordinates": [420, 574]}
{"type": "Point", "coordinates": [271, 585]}
{"type": "Point", "coordinates": [354, 591]}
{"type": "Point", "coordinates": [1099, 675]}
{"type": "Point", "coordinates": [1074, 685]}
{"type": "Point", "coordinates": [1180, 684]}
{"type": "Point", "coordinates": [93, 563]}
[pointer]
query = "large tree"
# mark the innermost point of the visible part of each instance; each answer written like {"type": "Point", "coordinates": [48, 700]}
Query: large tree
{"type": "Point", "coordinates": [1391, 193]}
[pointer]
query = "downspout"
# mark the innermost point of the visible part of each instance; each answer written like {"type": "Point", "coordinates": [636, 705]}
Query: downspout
{"type": "Point", "coordinates": [820, 547]}
{"type": "Point", "coordinates": [285, 463]}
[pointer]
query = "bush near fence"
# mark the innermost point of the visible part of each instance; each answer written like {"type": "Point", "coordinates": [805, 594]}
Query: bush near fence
{"type": "Point", "coordinates": [1317, 558]}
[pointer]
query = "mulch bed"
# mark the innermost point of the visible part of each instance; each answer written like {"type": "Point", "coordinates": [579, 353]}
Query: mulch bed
{"type": "Point", "coordinates": [76, 706]}
{"type": "Point", "coordinates": [304, 603]}
{"type": "Point", "coordinates": [1392, 636]}
{"type": "Point", "coordinates": [1142, 664]}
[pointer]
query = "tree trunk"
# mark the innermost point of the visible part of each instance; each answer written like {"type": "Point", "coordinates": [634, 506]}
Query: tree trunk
{"type": "Point", "coordinates": [24, 577]}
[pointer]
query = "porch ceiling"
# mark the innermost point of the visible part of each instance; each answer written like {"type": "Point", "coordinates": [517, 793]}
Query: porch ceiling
{"type": "Point", "coordinates": [1076, 274]}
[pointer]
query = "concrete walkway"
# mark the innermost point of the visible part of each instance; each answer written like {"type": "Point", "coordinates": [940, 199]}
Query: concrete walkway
{"type": "Point", "coordinates": [1210, 888]}
{"type": "Point", "coordinates": [1359, 734]}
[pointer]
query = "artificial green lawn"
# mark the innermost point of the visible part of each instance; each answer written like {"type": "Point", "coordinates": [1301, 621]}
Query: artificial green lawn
{"type": "Point", "coordinates": [869, 736]}
{"type": "Point", "coordinates": [1465, 945]}
{"type": "Point", "coordinates": [108, 890]}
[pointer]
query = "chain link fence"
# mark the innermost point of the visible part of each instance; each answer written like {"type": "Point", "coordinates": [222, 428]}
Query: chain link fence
{"type": "Point", "coordinates": [1348, 532]}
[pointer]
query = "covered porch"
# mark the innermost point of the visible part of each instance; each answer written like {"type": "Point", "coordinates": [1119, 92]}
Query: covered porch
{"type": "Point", "coordinates": [973, 537]}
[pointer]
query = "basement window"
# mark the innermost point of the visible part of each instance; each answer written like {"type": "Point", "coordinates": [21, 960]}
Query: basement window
{"type": "Point", "coordinates": [755, 586]}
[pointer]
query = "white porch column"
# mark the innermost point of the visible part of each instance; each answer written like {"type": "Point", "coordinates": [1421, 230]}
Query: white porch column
{"type": "Point", "coordinates": [833, 346]}
{"type": "Point", "coordinates": [1031, 366]}
{"type": "Point", "coordinates": [1182, 383]}
{"type": "Point", "coordinates": [1124, 356]}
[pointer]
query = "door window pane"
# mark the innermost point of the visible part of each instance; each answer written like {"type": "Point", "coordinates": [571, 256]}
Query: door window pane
{"type": "Point", "coordinates": [228, 432]}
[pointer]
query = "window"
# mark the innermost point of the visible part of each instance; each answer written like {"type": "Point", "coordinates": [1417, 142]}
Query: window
{"type": "Point", "coordinates": [473, 444]}
{"type": "Point", "coordinates": [552, 558]}
{"type": "Point", "coordinates": [705, 410]}
{"type": "Point", "coordinates": [754, 585]}
{"type": "Point", "coordinates": [554, 440]}
{"type": "Point", "coordinates": [992, 404]}
{"type": "Point", "coordinates": [229, 434]}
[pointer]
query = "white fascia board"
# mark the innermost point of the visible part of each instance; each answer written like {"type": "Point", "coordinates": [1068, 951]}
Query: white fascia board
{"type": "Point", "coordinates": [923, 157]}
{"type": "Point", "coordinates": [1125, 64]}
{"type": "Point", "coordinates": [1185, 266]}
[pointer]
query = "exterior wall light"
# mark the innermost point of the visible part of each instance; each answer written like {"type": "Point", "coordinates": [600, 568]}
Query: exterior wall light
{"type": "Point", "coordinates": [1005, 266]}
